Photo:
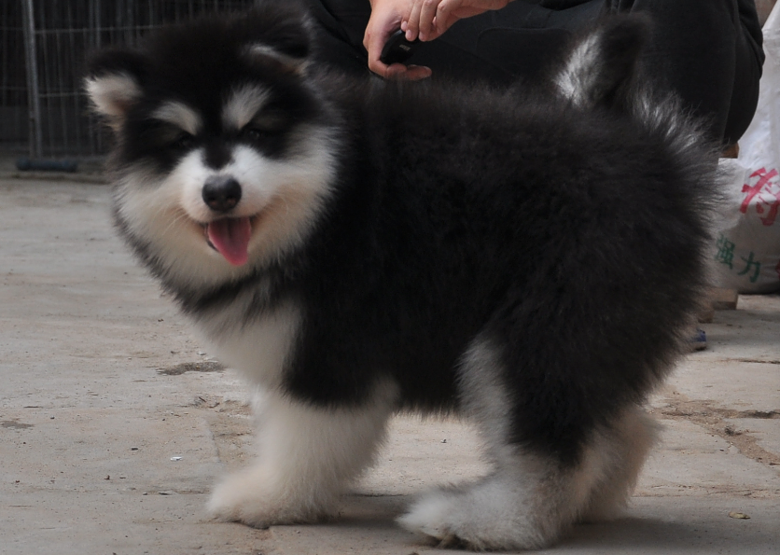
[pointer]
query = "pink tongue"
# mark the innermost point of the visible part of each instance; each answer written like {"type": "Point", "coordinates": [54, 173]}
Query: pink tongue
{"type": "Point", "coordinates": [230, 236]}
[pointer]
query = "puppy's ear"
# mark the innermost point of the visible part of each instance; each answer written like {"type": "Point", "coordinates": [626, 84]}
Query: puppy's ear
{"type": "Point", "coordinates": [602, 64]}
{"type": "Point", "coordinates": [259, 53]}
{"type": "Point", "coordinates": [114, 83]}
{"type": "Point", "coordinates": [278, 35]}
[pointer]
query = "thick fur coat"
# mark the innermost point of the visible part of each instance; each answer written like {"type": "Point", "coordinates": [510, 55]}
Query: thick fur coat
{"type": "Point", "coordinates": [528, 258]}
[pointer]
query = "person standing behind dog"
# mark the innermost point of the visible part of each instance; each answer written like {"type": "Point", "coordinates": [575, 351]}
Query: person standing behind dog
{"type": "Point", "coordinates": [708, 51]}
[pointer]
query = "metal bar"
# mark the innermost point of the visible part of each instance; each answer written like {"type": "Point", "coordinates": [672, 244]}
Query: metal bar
{"type": "Point", "coordinates": [34, 106]}
{"type": "Point", "coordinates": [49, 77]}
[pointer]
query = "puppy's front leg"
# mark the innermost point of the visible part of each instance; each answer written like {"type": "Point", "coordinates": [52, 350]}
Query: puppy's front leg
{"type": "Point", "coordinates": [307, 455]}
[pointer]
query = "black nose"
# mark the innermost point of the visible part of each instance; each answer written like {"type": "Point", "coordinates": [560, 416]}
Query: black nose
{"type": "Point", "coordinates": [221, 193]}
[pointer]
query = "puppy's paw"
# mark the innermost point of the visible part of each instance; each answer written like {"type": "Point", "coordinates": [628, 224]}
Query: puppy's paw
{"type": "Point", "coordinates": [429, 518]}
{"type": "Point", "coordinates": [471, 519]}
{"type": "Point", "coordinates": [235, 500]}
{"type": "Point", "coordinates": [250, 498]}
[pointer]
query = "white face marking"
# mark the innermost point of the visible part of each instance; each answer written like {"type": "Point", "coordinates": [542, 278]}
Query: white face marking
{"type": "Point", "coordinates": [286, 196]}
{"type": "Point", "coordinates": [180, 115]}
{"type": "Point", "coordinates": [113, 94]}
{"type": "Point", "coordinates": [242, 106]}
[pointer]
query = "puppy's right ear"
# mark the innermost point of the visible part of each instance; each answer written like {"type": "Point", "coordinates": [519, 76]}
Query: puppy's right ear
{"type": "Point", "coordinates": [114, 83]}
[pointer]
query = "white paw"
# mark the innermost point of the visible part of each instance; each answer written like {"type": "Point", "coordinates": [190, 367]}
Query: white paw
{"type": "Point", "coordinates": [478, 518]}
{"type": "Point", "coordinates": [428, 517]}
{"type": "Point", "coordinates": [251, 498]}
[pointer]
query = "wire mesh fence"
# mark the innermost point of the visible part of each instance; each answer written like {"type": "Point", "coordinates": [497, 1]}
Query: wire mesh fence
{"type": "Point", "coordinates": [43, 46]}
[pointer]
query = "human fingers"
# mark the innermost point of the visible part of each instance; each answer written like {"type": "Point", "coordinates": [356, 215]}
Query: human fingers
{"type": "Point", "coordinates": [427, 13]}
{"type": "Point", "coordinates": [396, 70]}
{"type": "Point", "coordinates": [386, 17]}
{"type": "Point", "coordinates": [431, 24]}
{"type": "Point", "coordinates": [374, 63]}
{"type": "Point", "coordinates": [445, 16]}
{"type": "Point", "coordinates": [411, 23]}
{"type": "Point", "coordinates": [380, 26]}
{"type": "Point", "coordinates": [408, 73]}
{"type": "Point", "coordinates": [429, 19]}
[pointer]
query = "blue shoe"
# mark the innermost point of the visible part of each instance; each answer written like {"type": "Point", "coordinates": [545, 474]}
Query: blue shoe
{"type": "Point", "coordinates": [699, 340]}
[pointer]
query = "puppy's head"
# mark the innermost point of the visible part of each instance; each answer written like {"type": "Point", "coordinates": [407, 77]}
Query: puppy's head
{"type": "Point", "coordinates": [223, 153]}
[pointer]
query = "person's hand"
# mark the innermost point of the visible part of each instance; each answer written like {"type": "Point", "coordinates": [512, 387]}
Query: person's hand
{"type": "Point", "coordinates": [386, 18]}
{"type": "Point", "coordinates": [429, 19]}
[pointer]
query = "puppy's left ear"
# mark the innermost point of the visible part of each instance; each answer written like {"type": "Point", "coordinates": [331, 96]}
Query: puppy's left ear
{"type": "Point", "coordinates": [114, 83]}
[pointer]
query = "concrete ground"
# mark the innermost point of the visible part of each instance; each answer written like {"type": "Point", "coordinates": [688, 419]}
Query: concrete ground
{"type": "Point", "coordinates": [114, 422]}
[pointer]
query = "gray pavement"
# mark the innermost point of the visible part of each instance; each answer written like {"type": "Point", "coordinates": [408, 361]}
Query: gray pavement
{"type": "Point", "coordinates": [114, 422]}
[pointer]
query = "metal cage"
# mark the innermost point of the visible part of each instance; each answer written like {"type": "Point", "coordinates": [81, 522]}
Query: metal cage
{"type": "Point", "coordinates": [43, 45]}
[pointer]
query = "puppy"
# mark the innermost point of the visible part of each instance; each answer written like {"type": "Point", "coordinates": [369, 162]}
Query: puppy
{"type": "Point", "coordinates": [527, 258]}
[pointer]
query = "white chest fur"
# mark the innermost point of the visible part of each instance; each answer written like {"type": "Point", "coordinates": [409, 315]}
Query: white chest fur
{"type": "Point", "coordinates": [259, 348]}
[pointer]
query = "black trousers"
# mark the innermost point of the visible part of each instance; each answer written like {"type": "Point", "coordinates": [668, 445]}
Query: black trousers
{"type": "Point", "coordinates": [707, 51]}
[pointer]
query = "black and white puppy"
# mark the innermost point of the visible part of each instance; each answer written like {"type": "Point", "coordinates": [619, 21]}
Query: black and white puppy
{"type": "Point", "coordinates": [526, 258]}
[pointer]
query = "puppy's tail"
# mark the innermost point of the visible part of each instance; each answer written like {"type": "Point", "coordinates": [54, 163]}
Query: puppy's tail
{"type": "Point", "coordinates": [602, 70]}
{"type": "Point", "coordinates": [601, 66]}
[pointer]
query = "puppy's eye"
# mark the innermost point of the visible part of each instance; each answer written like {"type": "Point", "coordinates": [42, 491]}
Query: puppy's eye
{"type": "Point", "coordinates": [254, 133]}
{"type": "Point", "coordinates": [265, 125]}
{"type": "Point", "coordinates": [183, 140]}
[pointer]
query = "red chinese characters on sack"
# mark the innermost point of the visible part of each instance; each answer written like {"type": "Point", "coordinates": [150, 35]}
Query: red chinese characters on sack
{"type": "Point", "coordinates": [763, 192]}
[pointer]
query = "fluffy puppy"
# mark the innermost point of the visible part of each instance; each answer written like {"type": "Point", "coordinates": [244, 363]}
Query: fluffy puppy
{"type": "Point", "coordinates": [526, 258]}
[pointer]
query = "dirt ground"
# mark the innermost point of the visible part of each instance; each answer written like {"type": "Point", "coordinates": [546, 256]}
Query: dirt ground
{"type": "Point", "coordinates": [115, 422]}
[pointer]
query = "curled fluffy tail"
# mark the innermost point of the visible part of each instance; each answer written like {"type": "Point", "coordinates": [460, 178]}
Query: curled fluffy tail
{"type": "Point", "coordinates": [601, 67]}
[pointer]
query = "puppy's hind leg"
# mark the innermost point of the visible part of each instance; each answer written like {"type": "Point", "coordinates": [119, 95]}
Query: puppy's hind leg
{"type": "Point", "coordinates": [307, 455]}
{"type": "Point", "coordinates": [617, 455]}
{"type": "Point", "coordinates": [530, 498]}
{"type": "Point", "coordinates": [526, 503]}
